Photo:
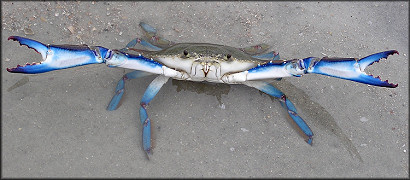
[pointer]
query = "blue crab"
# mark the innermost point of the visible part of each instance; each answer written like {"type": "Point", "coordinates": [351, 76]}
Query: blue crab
{"type": "Point", "coordinates": [250, 66]}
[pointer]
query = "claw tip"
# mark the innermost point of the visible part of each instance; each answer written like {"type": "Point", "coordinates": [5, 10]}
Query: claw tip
{"type": "Point", "coordinates": [309, 140]}
{"type": "Point", "coordinates": [11, 37]}
{"type": "Point", "coordinates": [395, 85]}
{"type": "Point", "coordinates": [392, 52]}
{"type": "Point", "coordinates": [148, 153]}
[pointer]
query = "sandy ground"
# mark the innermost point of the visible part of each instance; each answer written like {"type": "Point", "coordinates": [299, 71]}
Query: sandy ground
{"type": "Point", "coordinates": [55, 124]}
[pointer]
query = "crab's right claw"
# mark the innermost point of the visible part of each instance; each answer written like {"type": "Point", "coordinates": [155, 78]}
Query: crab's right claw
{"type": "Point", "coordinates": [349, 68]}
{"type": "Point", "coordinates": [57, 57]}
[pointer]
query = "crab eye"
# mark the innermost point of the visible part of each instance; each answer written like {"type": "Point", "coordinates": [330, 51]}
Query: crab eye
{"type": "Point", "coordinates": [185, 53]}
{"type": "Point", "coordinates": [228, 56]}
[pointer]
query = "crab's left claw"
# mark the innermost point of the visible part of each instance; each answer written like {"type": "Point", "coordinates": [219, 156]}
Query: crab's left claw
{"type": "Point", "coordinates": [349, 68]}
{"type": "Point", "coordinates": [57, 57]}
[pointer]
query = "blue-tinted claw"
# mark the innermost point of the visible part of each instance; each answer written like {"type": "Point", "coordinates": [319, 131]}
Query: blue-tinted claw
{"type": "Point", "coordinates": [37, 46]}
{"type": "Point", "coordinates": [369, 60]}
{"type": "Point", "coordinates": [57, 57]}
{"type": "Point", "coordinates": [349, 68]}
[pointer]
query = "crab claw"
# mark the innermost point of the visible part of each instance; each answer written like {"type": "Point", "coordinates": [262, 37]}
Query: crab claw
{"type": "Point", "coordinates": [349, 68]}
{"type": "Point", "coordinates": [57, 57]}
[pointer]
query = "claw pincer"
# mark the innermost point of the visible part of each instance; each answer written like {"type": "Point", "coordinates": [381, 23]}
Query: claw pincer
{"type": "Point", "coordinates": [350, 68]}
{"type": "Point", "coordinates": [57, 57]}
{"type": "Point", "coordinates": [343, 68]}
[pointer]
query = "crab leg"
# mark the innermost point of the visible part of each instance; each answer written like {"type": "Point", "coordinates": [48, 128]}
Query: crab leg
{"type": "Point", "coordinates": [119, 90]}
{"type": "Point", "coordinates": [268, 56]}
{"type": "Point", "coordinates": [144, 43]}
{"type": "Point", "coordinates": [151, 34]}
{"type": "Point", "coordinates": [149, 94]}
{"type": "Point", "coordinates": [272, 91]}
{"type": "Point", "coordinates": [255, 49]}
{"type": "Point", "coordinates": [156, 42]}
